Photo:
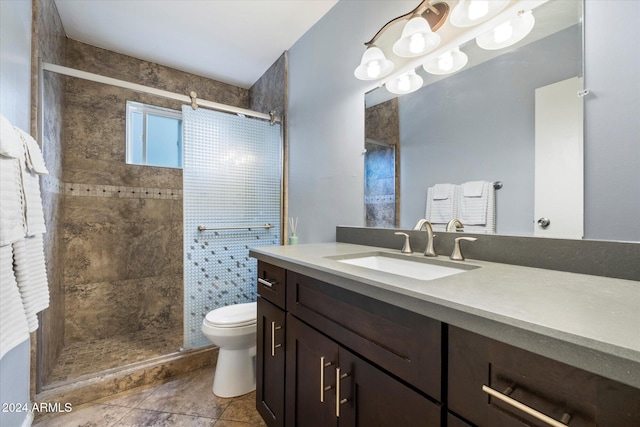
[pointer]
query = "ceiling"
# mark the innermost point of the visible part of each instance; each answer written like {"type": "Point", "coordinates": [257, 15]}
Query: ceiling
{"type": "Point", "coordinates": [232, 41]}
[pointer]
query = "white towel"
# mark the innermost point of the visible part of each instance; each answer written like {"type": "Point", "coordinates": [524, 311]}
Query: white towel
{"type": "Point", "coordinates": [33, 156]}
{"type": "Point", "coordinates": [13, 323]}
{"type": "Point", "coordinates": [478, 213]}
{"type": "Point", "coordinates": [473, 188]}
{"type": "Point", "coordinates": [12, 225]}
{"type": "Point", "coordinates": [10, 143]}
{"type": "Point", "coordinates": [441, 203]}
{"type": "Point", "coordinates": [31, 275]}
{"type": "Point", "coordinates": [33, 212]}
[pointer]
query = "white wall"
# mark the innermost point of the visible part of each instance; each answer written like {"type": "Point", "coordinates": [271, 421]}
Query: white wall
{"type": "Point", "coordinates": [15, 85]}
{"type": "Point", "coordinates": [326, 118]}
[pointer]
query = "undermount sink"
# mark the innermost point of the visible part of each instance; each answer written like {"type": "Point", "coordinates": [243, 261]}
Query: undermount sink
{"type": "Point", "coordinates": [403, 265]}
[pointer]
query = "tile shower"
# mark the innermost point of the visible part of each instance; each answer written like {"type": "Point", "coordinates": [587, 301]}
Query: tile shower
{"type": "Point", "coordinates": [115, 255]}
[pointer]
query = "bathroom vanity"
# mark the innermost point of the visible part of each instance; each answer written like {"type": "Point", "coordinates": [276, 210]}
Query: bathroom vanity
{"type": "Point", "coordinates": [490, 345]}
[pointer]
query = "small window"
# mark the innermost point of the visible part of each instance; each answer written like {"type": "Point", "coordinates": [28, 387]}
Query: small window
{"type": "Point", "coordinates": [154, 136]}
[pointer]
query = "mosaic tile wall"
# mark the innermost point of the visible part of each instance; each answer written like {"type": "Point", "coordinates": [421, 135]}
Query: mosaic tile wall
{"type": "Point", "coordinates": [232, 177]}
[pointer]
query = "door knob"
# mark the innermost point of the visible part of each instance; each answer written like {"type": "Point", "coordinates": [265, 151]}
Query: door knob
{"type": "Point", "coordinates": [544, 222]}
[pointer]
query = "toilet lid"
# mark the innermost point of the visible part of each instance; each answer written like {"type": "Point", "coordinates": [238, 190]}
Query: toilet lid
{"type": "Point", "coordinates": [235, 315]}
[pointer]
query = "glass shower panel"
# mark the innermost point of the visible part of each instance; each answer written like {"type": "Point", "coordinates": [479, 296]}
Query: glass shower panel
{"type": "Point", "coordinates": [232, 178]}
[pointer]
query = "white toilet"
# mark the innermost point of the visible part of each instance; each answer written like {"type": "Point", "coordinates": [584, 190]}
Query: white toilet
{"type": "Point", "coordinates": [233, 329]}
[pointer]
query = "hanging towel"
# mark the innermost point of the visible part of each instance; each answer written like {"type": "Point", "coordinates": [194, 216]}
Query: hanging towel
{"type": "Point", "coordinates": [13, 323]}
{"type": "Point", "coordinates": [477, 207]}
{"type": "Point", "coordinates": [10, 143]}
{"type": "Point", "coordinates": [31, 275]}
{"type": "Point", "coordinates": [473, 188]}
{"type": "Point", "coordinates": [441, 203]}
{"type": "Point", "coordinates": [12, 226]}
{"type": "Point", "coordinates": [33, 212]}
{"type": "Point", "coordinates": [33, 156]}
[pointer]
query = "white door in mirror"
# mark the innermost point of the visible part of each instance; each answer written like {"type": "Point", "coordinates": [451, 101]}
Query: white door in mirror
{"type": "Point", "coordinates": [559, 160]}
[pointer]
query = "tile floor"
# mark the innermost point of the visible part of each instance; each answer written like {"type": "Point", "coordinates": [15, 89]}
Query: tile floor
{"type": "Point", "coordinates": [186, 401]}
{"type": "Point", "coordinates": [82, 358]}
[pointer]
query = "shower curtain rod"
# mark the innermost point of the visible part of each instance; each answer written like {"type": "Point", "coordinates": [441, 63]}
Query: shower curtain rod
{"type": "Point", "coordinates": [72, 72]}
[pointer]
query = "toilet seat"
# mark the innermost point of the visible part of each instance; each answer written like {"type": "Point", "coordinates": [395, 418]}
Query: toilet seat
{"type": "Point", "coordinates": [233, 316]}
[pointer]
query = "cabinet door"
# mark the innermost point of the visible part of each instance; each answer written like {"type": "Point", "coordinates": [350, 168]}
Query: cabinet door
{"type": "Point", "coordinates": [270, 363]}
{"type": "Point", "coordinates": [482, 372]}
{"type": "Point", "coordinates": [370, 397]}
{"type": "Point", "coordinates": [310, 376]}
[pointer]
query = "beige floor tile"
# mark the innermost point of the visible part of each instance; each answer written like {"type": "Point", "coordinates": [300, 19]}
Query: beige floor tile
{"type": "Point", "coordinates": [227, 423]}
{"type": "Point", "coordinates": [243, 409]}
{"type": "Point", "coordinates": [145, 418]}
{"type": "Point", "coordinates": [188, 395]}
{"type": "Point", "coordinates": [88, 415]}
{"type": "Point", "coordinates": [130, 399]}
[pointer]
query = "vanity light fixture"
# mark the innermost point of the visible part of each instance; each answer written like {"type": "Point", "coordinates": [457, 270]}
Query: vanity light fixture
{"type": "Point", "coordinates": [507, 33]}
{"type": "Point", "coordinates": [418, 38]}
{"type": "Point", "coordinates": [447, 63]}
{"type": "Point", "coordinates": [473, 12]}
{"type": "Point", "coordinates": [405, 83]}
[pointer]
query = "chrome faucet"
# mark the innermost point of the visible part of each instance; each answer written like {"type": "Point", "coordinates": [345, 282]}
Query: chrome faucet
{"type": "Point", "coordinates": [429, 251]}
{"type": "Point", "coordinates": [455, 225]}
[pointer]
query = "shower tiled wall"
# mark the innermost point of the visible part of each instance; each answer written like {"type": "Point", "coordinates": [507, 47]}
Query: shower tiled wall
{"type": "Point", "coordinates": [382, 124]}
{"type": "Point", "coordinates": [49, 44]}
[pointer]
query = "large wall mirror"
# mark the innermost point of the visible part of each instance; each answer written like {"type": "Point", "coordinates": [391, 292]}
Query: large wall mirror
{"type": "Point", "coordinates": [480, 124]}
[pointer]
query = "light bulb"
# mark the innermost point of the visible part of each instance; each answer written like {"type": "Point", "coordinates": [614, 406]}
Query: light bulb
{"type": "Point", "coordinates": [445, 62]}
{"type": "Point", "coordinates": [478, 9]}
{"type": "Point", "coordinates": [417, 44]}
{"type": "Point", "coordinates": [503, 32]}
{"type": "Point", "coordinates": [373, 69]}
{"type": "Point", "coordinates": [403, 83]}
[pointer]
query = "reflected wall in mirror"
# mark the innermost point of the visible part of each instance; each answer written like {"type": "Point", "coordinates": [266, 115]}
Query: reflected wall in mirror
{"type": "Point", "coordinates": [477, 124]}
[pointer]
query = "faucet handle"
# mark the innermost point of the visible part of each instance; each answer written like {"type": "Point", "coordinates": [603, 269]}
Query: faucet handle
{"type": "Point", "coordinates": [456, 255]}
{"type": "Point", "coordinates": [406, 249]}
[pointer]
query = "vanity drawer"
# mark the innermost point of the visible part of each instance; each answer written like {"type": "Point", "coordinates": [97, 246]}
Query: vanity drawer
{"type": "Point", "coordinates": [272, 283]}
{"type": "Point", "coordinates": [403, 343]}
{"type": "Point", "coordinates": [478, 366]}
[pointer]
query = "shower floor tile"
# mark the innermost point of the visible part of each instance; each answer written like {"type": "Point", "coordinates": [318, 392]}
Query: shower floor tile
{"type": "Point", "coordinates": [82, 358]}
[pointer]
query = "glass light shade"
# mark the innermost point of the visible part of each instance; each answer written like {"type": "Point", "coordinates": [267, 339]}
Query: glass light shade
{"type": "Point", "coordinates": [447, 63]}
{"type": "Point", "coordinates": [374, 65]}
{"type": "Point", "coordinates": [473, 12]}
{"type": "Point", "coordinates": [405, 83]}
{"type": "Point", "coordinates": [416, 39]}
{"type": "Point", "coordinates": [508, 33]}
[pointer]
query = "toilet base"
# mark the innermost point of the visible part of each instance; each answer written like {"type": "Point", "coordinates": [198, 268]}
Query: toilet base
{"type": "Point", "coordinates": [235, 373]}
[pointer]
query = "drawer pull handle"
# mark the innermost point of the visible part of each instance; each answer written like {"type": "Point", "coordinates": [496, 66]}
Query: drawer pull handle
{"type": "Point", "coordinates": [527, 409]}
{"type": "Point", "coordinates": [267, 283]}
{"type": "Point", "coordinates": [274, 328]}
{"type": "Point", "coordinates": [323, 365]}
{"type": "Point", "coordinates": [339, 401]}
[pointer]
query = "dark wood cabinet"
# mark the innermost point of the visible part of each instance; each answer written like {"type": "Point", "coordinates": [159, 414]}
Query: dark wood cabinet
{"type": "Point", "coordinates": [328, 356]}
{"type": "Point", "coordinates": [329, 385]}
{"type": "Point", "coordinates": [483, 371]}
{"type": "Point", "coordinates": [272, 283]}
{"type": "Point", "coordinates": [403, 343]}
{"type": "Point", "coordinates": [270, 363]}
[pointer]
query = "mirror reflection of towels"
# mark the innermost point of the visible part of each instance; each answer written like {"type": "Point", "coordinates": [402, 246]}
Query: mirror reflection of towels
{"type": "Point", "coordinates": [441, 203]}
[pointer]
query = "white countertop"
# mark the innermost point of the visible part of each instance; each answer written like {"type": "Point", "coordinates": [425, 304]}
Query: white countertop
{"type": "Point", "coordinates": [590, 322]}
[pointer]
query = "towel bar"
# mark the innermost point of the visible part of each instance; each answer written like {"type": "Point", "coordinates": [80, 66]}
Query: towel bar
{"type": "Point", "coordinates": [237, 227]}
